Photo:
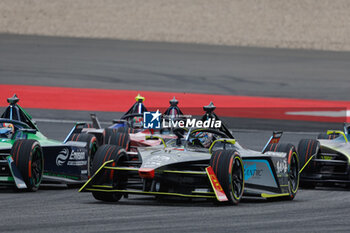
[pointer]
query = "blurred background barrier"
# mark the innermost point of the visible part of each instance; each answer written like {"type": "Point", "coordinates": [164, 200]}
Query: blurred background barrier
{"type": "Point", "coordinates": [308, 24]}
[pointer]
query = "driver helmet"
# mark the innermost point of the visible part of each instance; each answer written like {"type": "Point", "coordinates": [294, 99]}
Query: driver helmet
{"type": "Point", "coordinates": [6, 129]}
{"type": "Point", "coordinates": [205, 138]}
{"type": "Point", "coordinates": [137, 122]}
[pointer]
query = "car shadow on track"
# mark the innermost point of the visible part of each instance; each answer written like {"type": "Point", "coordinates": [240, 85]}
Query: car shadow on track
{"type": "Point", "coordinates": [153, 201]}
{"type": "Point", "coordinates": [43, 187]}
{"type": "Point", "coordinates": [327, 188]}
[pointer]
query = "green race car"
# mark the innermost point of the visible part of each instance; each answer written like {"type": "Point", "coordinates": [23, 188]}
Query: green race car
{"type": "Point", "coordinates": [28, 158]}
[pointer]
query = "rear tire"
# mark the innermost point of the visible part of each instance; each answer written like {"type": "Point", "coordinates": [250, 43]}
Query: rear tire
{"type": "Point", "coordinates": [29, 159]}
{"type": "Point", "coordinates": [126, 129]}
{"type": "Point", "coordinates": [91, 145]}
{"type": "Point", "coordinates": [307, 148]}
{"type": "Point", "coordinates": [109, 132]}
{"type": "Point", "coordinates": [120, 139]}
{"type": "Point", "coordinates": [110, 177]}
{"type": "Point", "coordinates": [228, 167]}
{"type": "Point", "coordinates": [293, 166]}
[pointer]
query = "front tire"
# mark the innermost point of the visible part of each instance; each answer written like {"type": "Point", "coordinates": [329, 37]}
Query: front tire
{"type": "Point", "coordinates": [29, 159]}
{"type": "Point", "coordinates": [110, 177]}
{"type": "Point", "coordinates": [228, 167]}
{"type": "Point", "coordinates": [306, 149]}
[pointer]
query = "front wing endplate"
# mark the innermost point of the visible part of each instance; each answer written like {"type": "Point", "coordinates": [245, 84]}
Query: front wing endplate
{"type": "Point", "coordinates": [219, 192]}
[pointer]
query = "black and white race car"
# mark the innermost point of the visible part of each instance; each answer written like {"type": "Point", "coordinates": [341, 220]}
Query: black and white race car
{"type": "Point", "coordinates": [199, 163]}
{"type": "Point", "coordinates": [326, 159]}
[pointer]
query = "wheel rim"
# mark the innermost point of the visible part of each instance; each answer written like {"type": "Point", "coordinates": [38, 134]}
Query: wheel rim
{"type": "Point", "coordinates": [37, 167]}
{"type": "Point", "coordinates": [237, 178]}
{"type": "Point", "coordinates": [293, 173]}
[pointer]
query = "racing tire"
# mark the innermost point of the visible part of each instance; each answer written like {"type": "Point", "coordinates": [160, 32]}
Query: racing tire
{"type": "Point", "coordinates": [228, 168]}
{"type": "Point", "coordinates": [326, 136]}
{"type": "Point", "coordinates": [117, 179]}
{"type": "Point", "coordinates": [126, 129]}
{"type": "Point", "coordinates": [293, 167]}
{"type": "Point", "coordinates": [91, 145]}
{"type": "Point", "coordinates": [29, 159]}
{"type": "Point", "coordinates": [120, 139]}
{"type": "Point", "coordinates": [107, 133]}
{"type": "Point", "coordinates": [307, 148]}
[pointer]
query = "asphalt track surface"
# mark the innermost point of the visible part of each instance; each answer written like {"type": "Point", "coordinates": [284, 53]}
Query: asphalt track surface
{"type": "Point", "coordinates": [112, 64]}
{"type": "Point", "coordinates": [172, 67]}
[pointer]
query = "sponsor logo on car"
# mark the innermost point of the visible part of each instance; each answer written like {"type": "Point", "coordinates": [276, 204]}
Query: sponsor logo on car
{"type": "Point", "coordinates": [62, 156]}
{"type": "Point", "coordinates": [76, 158]}
{"type": "Point", "coordinates": [259, 172]}
{"type": "Point", "coordinates": [216, 183]}
{"type": "Point", "coordinates": [251, 171]}
{"type": "Point", "coordinates": [76, 163]}
{"type": "Point", "coordinates": [77, 155]}
{"type": "Point", "coordinates": [281, 166]}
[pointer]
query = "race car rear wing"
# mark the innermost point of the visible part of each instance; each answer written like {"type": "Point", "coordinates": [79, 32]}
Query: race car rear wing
{"type": "Point", "coordinates": [275, 138]}
{"type": "Point", "coordinates": [95, 122]}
